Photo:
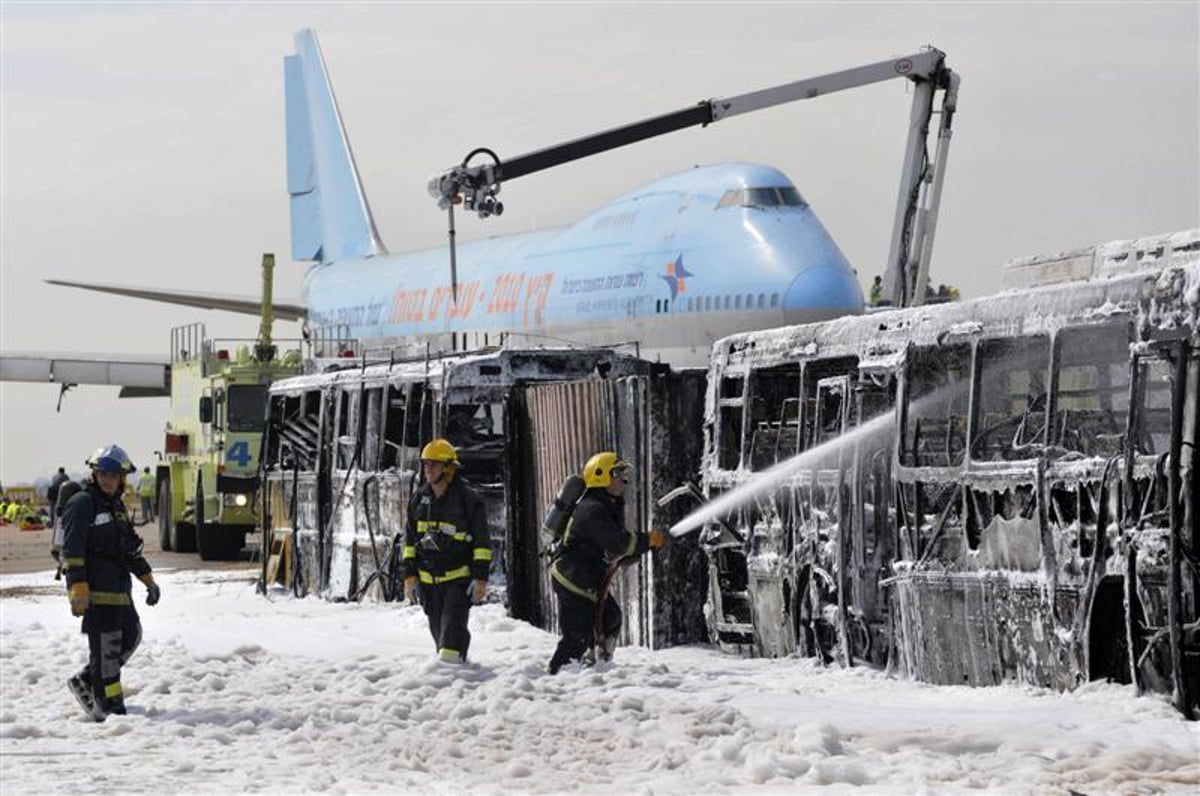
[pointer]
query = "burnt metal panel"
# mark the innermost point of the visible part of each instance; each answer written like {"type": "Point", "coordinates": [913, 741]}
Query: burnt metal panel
{"type": "Point", "coordinates": [652, 421]}
{"type": "Point", "coordinates": [567, 423]}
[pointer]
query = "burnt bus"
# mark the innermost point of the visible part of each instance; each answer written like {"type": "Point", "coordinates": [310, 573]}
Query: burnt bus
{"type": "Point", "coordinates": [341, 458]}
{"type": "Point", "coordinates": [997, 490]}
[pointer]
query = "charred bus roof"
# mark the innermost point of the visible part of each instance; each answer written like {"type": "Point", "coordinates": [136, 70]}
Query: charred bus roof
{"type": "Point", "coordinates": [1164, 298]}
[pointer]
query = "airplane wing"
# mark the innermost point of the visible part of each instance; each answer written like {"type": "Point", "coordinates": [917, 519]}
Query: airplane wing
{"type": "Point", "coordinates": [138, 375]}
{"type": "Point", "coordinates": [288, 311]}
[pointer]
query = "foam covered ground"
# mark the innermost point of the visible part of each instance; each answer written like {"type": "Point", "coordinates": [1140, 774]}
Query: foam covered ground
{"type": "Point", "coordinates": [234, 692]}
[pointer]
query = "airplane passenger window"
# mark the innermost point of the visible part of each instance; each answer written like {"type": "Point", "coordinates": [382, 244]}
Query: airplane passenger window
{"type": "Point", "coordinates": [749, 301]}
{"type": "Point", "coordinates": [708, 302]}
{"type": "Point", "coordinates": [737, 302]}
{"type": "Point", "coordinates": [727, 302]}
{"type": "Point", "coordinates": [774, 300]}
{"type": "Point", "coordinates": [689, 305]}
{"type": "Point", "coordinates": [762, 301]}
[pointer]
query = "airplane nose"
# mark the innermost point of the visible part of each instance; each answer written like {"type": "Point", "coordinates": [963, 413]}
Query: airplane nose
{"type": "Point", "coordinates": [822, 292]}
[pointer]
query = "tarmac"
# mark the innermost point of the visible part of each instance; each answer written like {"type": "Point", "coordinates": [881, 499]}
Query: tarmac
{"type": "Point", "coordinates": [29, 551]}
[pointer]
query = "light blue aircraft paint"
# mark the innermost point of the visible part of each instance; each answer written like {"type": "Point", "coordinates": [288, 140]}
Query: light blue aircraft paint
{"type": "Point", "coordinates": [671, 266]}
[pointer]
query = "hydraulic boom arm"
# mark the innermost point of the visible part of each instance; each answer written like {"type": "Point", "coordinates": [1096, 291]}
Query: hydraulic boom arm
{"type": "Point", "coordinates": [476, 186]}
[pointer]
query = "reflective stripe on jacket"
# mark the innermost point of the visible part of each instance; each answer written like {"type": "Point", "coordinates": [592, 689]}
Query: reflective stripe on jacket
{"type": "Point", "coordinates": [101, 547]}
{"type": "Point", "coordinates": [447, 538]}
{"type": "Point", "coordinates": [594, 538]}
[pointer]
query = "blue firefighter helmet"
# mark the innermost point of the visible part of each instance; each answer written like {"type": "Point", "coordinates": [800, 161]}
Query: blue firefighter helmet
{"type": "Point", "coordinates": [111, 459]}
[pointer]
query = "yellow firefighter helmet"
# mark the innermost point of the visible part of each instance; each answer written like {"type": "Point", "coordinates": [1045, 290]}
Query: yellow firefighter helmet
{"type": "Point", "coordinates": [598, 471]}
{"type": "Point", "coordinates": [440, 450]}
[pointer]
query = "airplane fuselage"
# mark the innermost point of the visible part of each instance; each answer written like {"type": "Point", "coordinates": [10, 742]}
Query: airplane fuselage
{"type": "Point", "coordinates": [670, 267]}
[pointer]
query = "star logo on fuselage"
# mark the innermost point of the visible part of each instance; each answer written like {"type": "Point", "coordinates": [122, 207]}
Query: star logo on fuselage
{"type": "Point", "coordinates": [675, 276]}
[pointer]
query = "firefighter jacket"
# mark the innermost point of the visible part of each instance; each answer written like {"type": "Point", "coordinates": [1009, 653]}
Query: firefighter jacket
{"type": "Point", "coordinates": [100, 547]}
{"type": "Point", "coordinates": [447, 538]}
{"type": "Point", "coordinates": [595, 537]}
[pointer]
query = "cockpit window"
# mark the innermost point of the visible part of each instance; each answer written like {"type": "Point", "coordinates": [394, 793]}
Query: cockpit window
{"type": "Point", "coordinates": [762, 197]}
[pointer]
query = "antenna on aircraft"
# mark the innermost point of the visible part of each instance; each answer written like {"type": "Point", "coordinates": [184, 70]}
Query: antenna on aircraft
{"type": "Point", "coordinates": [473, 187]}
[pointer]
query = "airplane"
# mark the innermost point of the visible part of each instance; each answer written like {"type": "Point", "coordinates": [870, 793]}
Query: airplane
{"type": "Point", "coordinates": [670, 267]}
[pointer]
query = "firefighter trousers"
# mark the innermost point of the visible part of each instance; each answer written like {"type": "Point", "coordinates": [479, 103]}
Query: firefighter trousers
{"type": "Point", "coordinates": [447, 606]}
{"type": "Point", "coordinates": [577, 623]}
{"type": "Point", "coordinates": [114, 632]}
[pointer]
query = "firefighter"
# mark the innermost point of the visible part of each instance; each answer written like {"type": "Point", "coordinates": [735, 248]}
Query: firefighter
{"type": "Point", "coordinates": [100, 551]}
{"type": "Point", "coordinates": [56, 483]}
{"type": "Point", "coordinates": [145, 490]}
{"type": "Point", "coordinates": [447, 550]}
{"type": "Point", "coordinates": [594, 540]}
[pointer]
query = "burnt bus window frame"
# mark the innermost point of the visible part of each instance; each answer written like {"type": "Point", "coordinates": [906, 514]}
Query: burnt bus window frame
{"type": "Point", "coordinates": [477, 425]}
{"type": "Point", "coordinates": [407, 410]}
{"type": "Point", "coordinates": [730, 426]}
{"type": "Point", "coordinates": [347, 417]}
{"type": "Point", "coordinates": [372, 429]}
{"type": "Point", "coordinates": [773, 411]}
{"type": "Point", "coordinates": [295, 428]}
{"type": "Point", "coordinates": [814, 372]}
{"type": "Point", "coordinates": [1016, 432]}
{"type": "Point", "coordinates": [395, 422]}
{"type": "Point", "coordinates": [949, 416]}
{"type": "Point", "coordinates": [874, 395]}
{"type": "Point", "coordinates": [1091, 376]}
{"type": "Point", "coordinates": [1154, 374]}
{"type": "Point", "coordinates": [833, 421]}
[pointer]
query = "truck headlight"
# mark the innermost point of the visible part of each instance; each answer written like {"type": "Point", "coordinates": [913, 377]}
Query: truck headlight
{"type": "Point", "coordinates": [236, 501]}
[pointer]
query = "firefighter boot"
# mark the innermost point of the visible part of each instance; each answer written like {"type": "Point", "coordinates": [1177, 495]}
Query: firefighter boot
{"type": "Point", "coordinates": [81, 688]}
{"type": "Point", "coordinates": [115, 705]}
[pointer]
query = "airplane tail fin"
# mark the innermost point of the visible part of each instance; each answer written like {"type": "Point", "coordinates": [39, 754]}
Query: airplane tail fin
{"type": "Point", "coordinates": [331, 219]}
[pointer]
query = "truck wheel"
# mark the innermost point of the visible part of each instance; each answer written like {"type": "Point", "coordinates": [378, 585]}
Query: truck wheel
{"type": "Point", "coordinates": [183, 537]}
{"type": "Point", "coordinates": [206, 535]}
{"type": "Point", "coordinates": [165, 518]}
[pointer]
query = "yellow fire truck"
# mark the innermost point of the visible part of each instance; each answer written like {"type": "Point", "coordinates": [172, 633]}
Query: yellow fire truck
{"type": "Point", "coordinates": [207, 481]}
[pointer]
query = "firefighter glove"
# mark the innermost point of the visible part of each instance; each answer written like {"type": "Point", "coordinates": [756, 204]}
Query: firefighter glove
{"type": "Point", "coordinates": [152, 590]}
{"type": "Point", "coordinates": [81, 598]}
{"type": "Point", "coordinates": [478, 591]}
{"type": "Point", "coordinates": [657, 539]}
{"type": "Point", "coordinates": [410, 588]}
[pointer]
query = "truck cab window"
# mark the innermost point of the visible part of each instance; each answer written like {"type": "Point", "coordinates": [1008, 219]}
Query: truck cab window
{"type": "Point", "coordinates": [246, 407]}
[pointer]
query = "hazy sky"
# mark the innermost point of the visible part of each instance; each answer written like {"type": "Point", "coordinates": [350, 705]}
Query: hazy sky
{"type": "Point", "coordinates": [144, 144]}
